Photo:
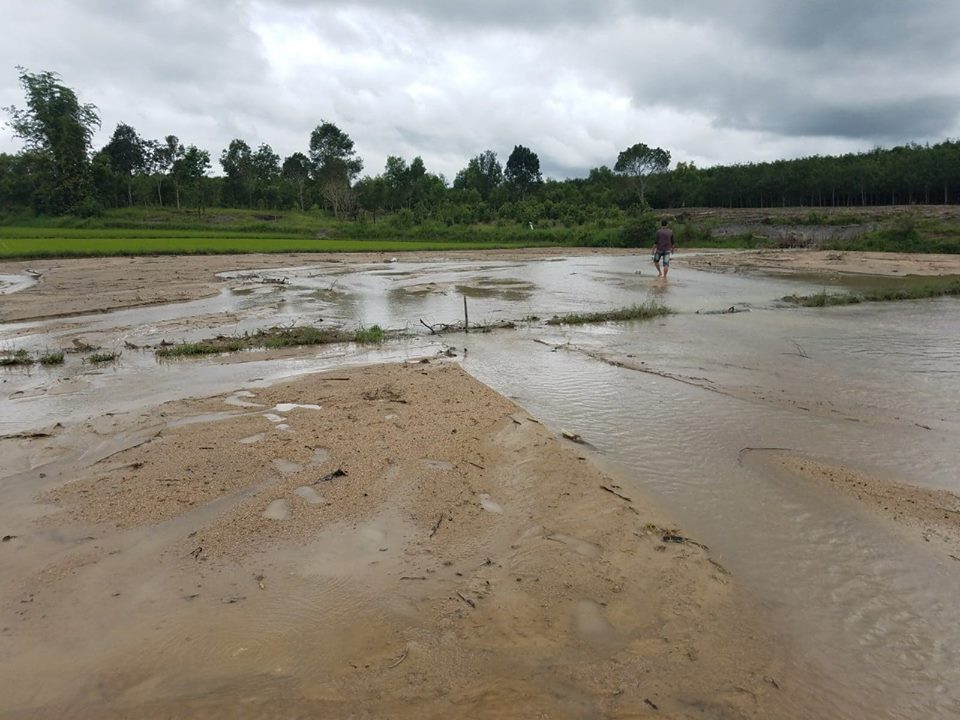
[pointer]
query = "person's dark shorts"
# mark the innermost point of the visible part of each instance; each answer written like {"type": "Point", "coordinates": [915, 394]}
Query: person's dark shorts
{"type": "Point", "coordinates": [661, 256]}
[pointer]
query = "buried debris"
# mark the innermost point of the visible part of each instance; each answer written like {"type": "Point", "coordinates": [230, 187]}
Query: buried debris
{"type": "Point", "coordinates": [436, 525]}
{"type": "Point", "coordinates": [339, 472]}
{"type": "Point", "coordinates": [681, 540]}
{"type": "Point", "coordinates": [467, 599]}
{"type": "Point", "coordinates": [573, 437]}
{"type": "Point", "coordinates": [614, 492]}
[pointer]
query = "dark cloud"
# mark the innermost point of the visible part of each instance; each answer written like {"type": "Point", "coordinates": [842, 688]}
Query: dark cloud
{"type": "Point", "coordinates": [741, 80]}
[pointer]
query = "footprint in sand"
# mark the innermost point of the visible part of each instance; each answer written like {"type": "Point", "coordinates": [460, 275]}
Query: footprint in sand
{"type": "Point", "coordinates": [273, 417]}
{"type": "Point", "coordinates": [285, 467]}
{"type": "Point", "coordinates": [277, 510]}
{"type": "Point", "coordinates": [593, 626]}
{"type": "Point", "coordinates": [252, 439]}
{"type": "Point", "coordinates": [237, 399]}
{"type": "Point", "coordinates": [488, 504]}
{"type": "Point", "coordinates": [287, 407]}
{"type": "Point", "coordinates": [581, 547]}
{"type": "Point", "coordinates": [319, 457]}
{"type": "Point", "coordinates": [310, 495]}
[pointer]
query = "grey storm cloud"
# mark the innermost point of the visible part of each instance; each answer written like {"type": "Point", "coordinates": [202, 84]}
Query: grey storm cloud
{"type": "Point", "coordinates": [714, 82]}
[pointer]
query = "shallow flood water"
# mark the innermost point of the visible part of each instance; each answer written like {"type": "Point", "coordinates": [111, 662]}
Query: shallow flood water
{"type": "Point", "coordinates": [868, 609]}
{"type": "Point", "coordinates": [871, 611]}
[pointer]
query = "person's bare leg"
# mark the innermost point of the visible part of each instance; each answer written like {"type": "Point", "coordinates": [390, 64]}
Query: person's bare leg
{"type": "Point", "coordinates": [657, 265]}
{"type": "Point", "coordinates": [666, 269]}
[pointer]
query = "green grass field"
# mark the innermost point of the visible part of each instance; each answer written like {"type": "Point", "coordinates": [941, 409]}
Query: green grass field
{"type": "Point", "coordinates": [146, 231]}
{"type": "Point", "coordinates": [128, 243]}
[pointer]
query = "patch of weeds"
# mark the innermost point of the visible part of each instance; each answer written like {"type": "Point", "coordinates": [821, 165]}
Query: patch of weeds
{"type": "Point", "coordinates": [16, 358]}
{"type": "Point", "coordinates": [824, 299]}
{"type": "Point", "coordinates": [273, 339]}
{"type": "Point", "coordinates": [52, 357]}
{"type": "Point", "coordinates": [99, 358]}
{"type": "Point", "coordinates": [644, 311]}
{"type": "Point", "coordinates": [372, 335]}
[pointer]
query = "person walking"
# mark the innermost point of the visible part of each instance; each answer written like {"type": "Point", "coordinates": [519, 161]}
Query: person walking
{"type": "Point", "coordinates": [663, 249]}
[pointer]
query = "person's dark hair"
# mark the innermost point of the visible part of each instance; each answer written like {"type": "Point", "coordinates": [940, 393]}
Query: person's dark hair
{"type": "Point", "coordinates": [663, 223]}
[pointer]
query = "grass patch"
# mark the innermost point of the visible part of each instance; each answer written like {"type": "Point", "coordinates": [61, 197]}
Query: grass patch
{"type": "Point", "coordinates": [98, 358]}
{"type": "Point", "coordinates": [922, 292]}
{"type": "Point", "coordinates": [52, 357]}
{"type": "Point", "coordinates": [644, 311]}
{"type": "Point", "coordinates": [373, 335]}
{"type": "Point", "coordinates": [15, 358]}
{"type": "Point", "coordinates": [273, 338]}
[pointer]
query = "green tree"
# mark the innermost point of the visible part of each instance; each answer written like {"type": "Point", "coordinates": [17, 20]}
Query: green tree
{"type": "Point", "coordinates": [237, 164]}
{"type": "Point", "coordinates": [56, 126]}
{"type": "Point", "coordinates": [191, 169]}
{"type": "Point", "coordinates": [333, 156]}
{"type": "Point", "coordinates": [126, 153]}
{"type": "Point", "coordinates": [522, 172]}
{"type": "Point", "coordinates": [265, 164]}
{"type": "Point", "coordinates": [483, 173]}
{"type": "Point", "coordinates": [640, 161]}
{"type": "Point", "coordinates": [296, 171]}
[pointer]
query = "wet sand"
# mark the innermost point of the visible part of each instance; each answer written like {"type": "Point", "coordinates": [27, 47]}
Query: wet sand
{"type": "Point", "coordinates": [76, 286]}
{"type": "Point", "coordinates": [196, 559]}
{"type": "Point", "coordinates": [827, 261]}
{"type": "Point", "coordinates": [414, 545]}
{"type": "Point", "coordinates": [70, 287]}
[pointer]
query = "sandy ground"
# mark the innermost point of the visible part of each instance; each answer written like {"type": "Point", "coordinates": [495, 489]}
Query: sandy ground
{"type": "Point", "coordinates": [204, 559]}
{"type": "Point", "coordinates": [464, 562]}
{"type": "Point", "coordinates": [827, 261]}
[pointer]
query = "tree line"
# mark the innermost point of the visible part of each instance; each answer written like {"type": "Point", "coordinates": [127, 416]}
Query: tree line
{"type": "Point", "coordinates": [58, 171]}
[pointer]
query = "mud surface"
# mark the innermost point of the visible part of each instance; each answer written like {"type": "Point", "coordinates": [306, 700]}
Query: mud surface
{"type": "Point", "coordinates": [829, 261]}
{"type": "Point", "coordinates": [178, 541]}
{"type": "Point", "coordinates": [415, 546]}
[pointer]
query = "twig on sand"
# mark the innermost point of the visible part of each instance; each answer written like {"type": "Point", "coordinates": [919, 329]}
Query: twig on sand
{"type": "Point", "coordinates": [800, 351]}
{"type": "Point", "coordinates": [614, 492]}
{"type": "Point", "coordinates": [403, 656]}
{"type": "Point", "coordinates": [468, 600]}
{"type": "Point", "coordinates": [436, 525]}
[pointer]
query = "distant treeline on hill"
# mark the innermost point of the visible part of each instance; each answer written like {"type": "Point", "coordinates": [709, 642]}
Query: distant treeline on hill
{"type": "Point", "coordinates": [60, 172]}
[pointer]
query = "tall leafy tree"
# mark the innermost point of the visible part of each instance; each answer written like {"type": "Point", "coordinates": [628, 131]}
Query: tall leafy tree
{"type": "Point", "coordinates": [296, 171]}
{"type": "Point", "coordinates": [333, 156]}
{"type": "Point", "coordinates": [483, 173]}
{"type": "Point", "coordinates": [522, 172]}
{"type": "Point", "coordinates": [237, 164]}
{"type": "Point", "coordinates": [639, 161]}
{"type": "Point", "coordinates": [59, 129]}
{"type": "Point", "coordinates": [191, 169]}
{"type": "Point", "coordinates": [127, 155]}
{"type": "Point", "coordinates": [265, 164]}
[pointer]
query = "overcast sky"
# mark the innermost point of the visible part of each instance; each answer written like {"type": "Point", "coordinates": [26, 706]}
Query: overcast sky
{"type": "Point", "coordinates": [712, 81]}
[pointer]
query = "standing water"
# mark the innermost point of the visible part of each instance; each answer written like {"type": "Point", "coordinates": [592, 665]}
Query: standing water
{"type": "Point", "coordinates": [686, 407]}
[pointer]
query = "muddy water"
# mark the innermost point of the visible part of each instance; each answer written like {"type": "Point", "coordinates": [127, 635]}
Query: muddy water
{"type": "Point", "coordinates": [871, 610]}
{"type": "Point", "coordinates": [866, 610]}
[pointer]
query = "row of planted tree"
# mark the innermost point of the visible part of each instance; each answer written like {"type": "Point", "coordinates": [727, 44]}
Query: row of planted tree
{"type": "Point", "coordinates": [58, 171]}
